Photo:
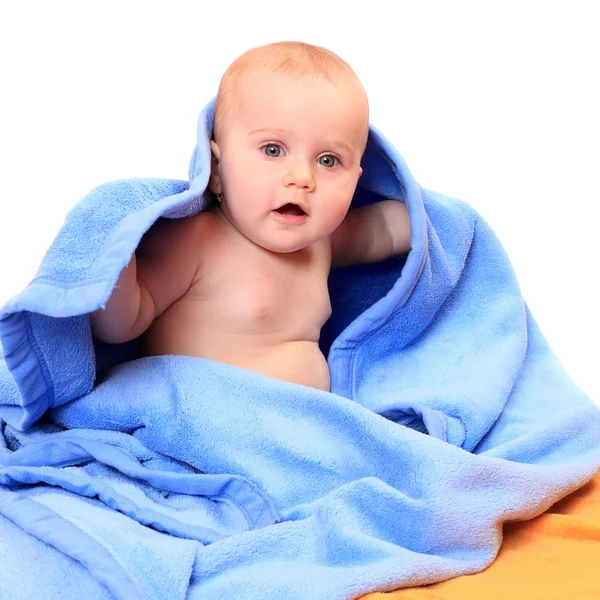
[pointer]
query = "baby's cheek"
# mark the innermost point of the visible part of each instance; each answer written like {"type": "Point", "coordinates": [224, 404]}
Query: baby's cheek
{"type": "Point", "coordinates": [253, 181]}
{"type": "Point", "coordinates": [337, 210]}
{"type": "Point", "coordinates": [240, 187]}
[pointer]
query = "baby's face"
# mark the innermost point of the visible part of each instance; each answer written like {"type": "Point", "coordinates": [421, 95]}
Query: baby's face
{"type": "Point", "coordinates": [289, 160]}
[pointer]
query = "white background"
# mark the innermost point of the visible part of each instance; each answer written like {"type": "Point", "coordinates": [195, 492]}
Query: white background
{"type": "Point", "coordinates": [493, 102]}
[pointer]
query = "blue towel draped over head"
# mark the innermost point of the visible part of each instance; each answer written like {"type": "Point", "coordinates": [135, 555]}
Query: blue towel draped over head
{"type": "Point", "coordinates": [178, 477]}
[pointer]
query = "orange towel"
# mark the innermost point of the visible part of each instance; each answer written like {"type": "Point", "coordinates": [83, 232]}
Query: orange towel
{"type": "Point", "coordinates": [554, 556]}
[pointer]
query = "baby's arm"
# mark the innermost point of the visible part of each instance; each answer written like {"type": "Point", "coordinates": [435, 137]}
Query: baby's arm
{"type": "Point", "coordinates": [371, 234]}
{"type": "Point", "coordinates": [163, 269]}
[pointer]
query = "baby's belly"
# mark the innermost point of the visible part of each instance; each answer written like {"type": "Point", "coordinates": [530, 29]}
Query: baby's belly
{"type": "Point", "coordinates": [299, 362]}
{"type": "Point", "coordinates": [296, 361]}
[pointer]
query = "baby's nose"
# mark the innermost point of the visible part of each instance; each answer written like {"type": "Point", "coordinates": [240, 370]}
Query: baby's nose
{"type": "Point", "coordinates": [299, 175]}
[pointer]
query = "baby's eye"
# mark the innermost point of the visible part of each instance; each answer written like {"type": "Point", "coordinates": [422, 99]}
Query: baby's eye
{"type": "Point", "coordinates": [273, 150]}
{"type": "Point", "coordinates": [328, 160]}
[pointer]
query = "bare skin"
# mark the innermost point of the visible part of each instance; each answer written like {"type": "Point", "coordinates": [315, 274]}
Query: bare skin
{"type": "Point", "coordinates": [245, 283]}
{"type": "Point", "coordinates": [251, 308]}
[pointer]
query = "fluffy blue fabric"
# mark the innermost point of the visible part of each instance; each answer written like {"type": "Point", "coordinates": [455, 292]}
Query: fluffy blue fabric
{"type": "Point", "coordinates": [178, 477]}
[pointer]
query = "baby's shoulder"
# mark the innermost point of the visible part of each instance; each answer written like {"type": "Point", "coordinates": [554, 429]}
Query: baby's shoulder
{"type": "Point", "coordinates": [179, 235]}
{"type": "Point", "coordinates": [205, 221]}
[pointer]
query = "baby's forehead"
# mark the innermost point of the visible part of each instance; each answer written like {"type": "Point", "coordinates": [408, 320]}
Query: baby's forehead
{"type": "Point", "coordinates": [251, 75]}
{"type": "Point", "coordinates": [256, 90]}
{"type": "Point", "coordinates": [270, 87]}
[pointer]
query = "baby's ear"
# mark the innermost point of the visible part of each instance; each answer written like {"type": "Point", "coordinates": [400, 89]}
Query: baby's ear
{"type": "Point", "coordinates": [214, 181]}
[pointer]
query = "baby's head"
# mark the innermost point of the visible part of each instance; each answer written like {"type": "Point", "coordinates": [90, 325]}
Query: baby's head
{"type": "Point", "coordinates": [291, 126]}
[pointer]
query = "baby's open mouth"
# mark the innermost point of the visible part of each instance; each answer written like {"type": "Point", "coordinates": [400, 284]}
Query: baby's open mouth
{"type": "Point", "coordinates": [290, 209]}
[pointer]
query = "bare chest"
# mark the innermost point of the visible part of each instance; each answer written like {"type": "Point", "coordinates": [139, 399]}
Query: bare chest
{"type": "Point", "coordinates": [249, 290]}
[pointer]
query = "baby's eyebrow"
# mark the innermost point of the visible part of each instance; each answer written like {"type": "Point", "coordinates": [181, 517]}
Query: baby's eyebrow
{"type": "Point", "coordinates": [339, 143]}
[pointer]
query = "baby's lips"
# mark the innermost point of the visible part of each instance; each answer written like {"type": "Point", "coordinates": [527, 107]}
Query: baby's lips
{"type": "Point", "coordinates": [291, 208]}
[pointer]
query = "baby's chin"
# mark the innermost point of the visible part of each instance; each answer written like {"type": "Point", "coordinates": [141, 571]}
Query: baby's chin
{"type": "Point", "coordinates": [278, 243]}
{"type": "Point", "coordinates": [281, 248]}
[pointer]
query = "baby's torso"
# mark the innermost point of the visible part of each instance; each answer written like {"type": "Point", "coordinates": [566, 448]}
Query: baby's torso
{"type": "Point", "coordinates": [253, 309]}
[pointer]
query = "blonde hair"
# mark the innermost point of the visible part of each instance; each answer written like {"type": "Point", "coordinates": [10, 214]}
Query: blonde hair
{"type": "Point", "coordinates": [288, 58]}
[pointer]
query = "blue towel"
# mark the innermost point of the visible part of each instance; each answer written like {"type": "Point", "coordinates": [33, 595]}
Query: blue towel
{"type": "Point", "coordinates": [183, 478]}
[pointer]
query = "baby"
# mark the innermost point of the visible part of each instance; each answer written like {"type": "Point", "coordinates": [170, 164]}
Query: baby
{"type": "Point", "coordinates": [245, 282]}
